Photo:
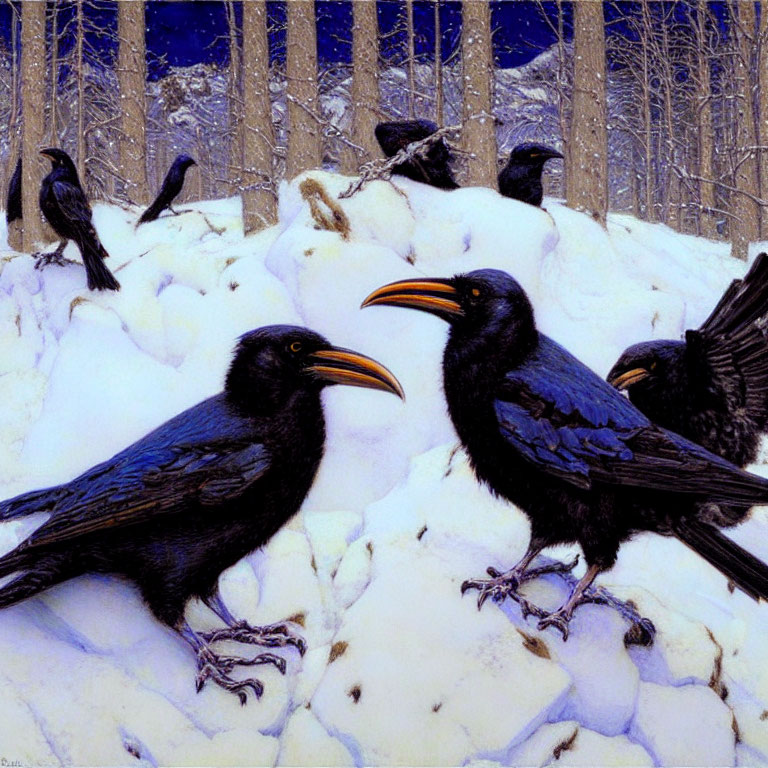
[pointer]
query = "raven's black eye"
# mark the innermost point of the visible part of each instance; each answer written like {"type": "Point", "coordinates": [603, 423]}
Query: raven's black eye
{"type": "Point", "coordinates": [295, 346]}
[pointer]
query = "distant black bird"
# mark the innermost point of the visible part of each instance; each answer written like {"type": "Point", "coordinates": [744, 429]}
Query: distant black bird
{"type": "Point", "coordinates": [172, 184]}
{"type": "Point", "coordinates": [65, 207]}
{"type": "Point", "coordinates": [13, 206]}
{"type": "Point", "coordinates": [190, 499]}
{"type": "Point", "coordinates": [544, 431]}
{"type": "Point", "coordinates": [520, 178]}
{"type": "Point", "coordinates": [434, 168]}
{"type": "Point", "coordinates": [712, 387]}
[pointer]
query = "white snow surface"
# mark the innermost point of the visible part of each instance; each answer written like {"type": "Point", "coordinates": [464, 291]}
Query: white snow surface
{"type": "Point", "coordinates": [395, 520]}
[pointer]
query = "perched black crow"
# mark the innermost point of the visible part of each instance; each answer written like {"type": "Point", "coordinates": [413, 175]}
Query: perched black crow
{"type": "Point", "coordinates": [190, 499]}
{"type": "Point", "coordinates": [172, 184]}
{"type": "Point", "coordinates": [434, 168]}
{"type": "Point", "coordinates": [545, 432]}
{"type": "Point", "coordinates": [521, 176]}
{"type": "Point", "coordinates": [65, 207]}
{"type": "Point", "coordinates": [13, 206]}
{"type": "Point", "coordinates": [712, 387]}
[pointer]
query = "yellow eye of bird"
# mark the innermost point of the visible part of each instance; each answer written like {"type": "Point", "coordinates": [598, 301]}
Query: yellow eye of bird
{"type": "Point", "coordinates": [295, 346]}
{"type": "Point", "coordinates": [653, 365]}
{"type": "Point", "coordinates": [475, 291]}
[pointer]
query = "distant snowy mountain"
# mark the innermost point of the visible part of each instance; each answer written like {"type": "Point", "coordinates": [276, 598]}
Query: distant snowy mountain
{"type": "Point", "coordinates": [401, 670]}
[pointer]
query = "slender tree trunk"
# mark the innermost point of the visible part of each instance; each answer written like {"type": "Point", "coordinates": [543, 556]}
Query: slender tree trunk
{"type": "Point", "coordinates": [305, 137]}
{"type": "Point", "coordinates": [671, 195]}
{"type": "Point", "coordinates": [707, 219]}
{"type": "Point", "coordinates": [259, 202]}
{"type": "Point", "coordinates": [762, 137]}
{"type": "Point", "coordinates": [439, 93]}
{"type": "Point", "coordinates": [80, 75]}
{"type": "Point", "coordinates": [562, 102]}
{"type": "Point", "coordinates": [588, 172]}
{"type": "Point", "coordinates": [132, 78]}
{"type": "Point", "coordinates": [15, 233]}
{"type": "Point", "coordinates": [54, 126]}
{"type": "Point", "coordinates": [477, 66]}
{"type": "Point", "coordinates": [650, 175]}
{"type": "Point", "coordinates": [236, 104]}
{"type": "Point", "coordinates": [744, 226]}
{"type": "Point", "coordinates": [33, 71]}
{"type": "Point", "coordinates": [411, 57]}
{"type": "Point", "coordinates": [365, 85]}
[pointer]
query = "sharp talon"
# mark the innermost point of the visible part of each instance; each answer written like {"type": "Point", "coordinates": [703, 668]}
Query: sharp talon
{"type": "Point", "coordinates": [465, 587]}
{"type": "Point", "coordinates": [481, 599]}
{"type": "Point", "coordinates": [243, 698]}
{"type": "Point", "coordinates": [492, 572]}
{"type": "Point", "coordinates": [301, 646]}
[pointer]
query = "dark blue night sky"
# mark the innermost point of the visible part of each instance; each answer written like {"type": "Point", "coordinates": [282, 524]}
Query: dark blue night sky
{"type": "Point", "coordinates": [185, 33]}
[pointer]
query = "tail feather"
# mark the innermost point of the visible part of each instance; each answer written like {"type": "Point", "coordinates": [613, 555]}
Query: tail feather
{"type": "Point", "coordinates": [744, 301]}
{"type": "Point", "coordinates": [99, 276]}
{"type": "Point", "coordinates": [733, 561]}
{"type": "Point", "coordinates": [152, 212]}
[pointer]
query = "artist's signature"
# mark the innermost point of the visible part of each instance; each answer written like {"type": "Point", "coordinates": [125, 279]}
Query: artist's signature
{"type": "Point", "coordinates": [6, 763]}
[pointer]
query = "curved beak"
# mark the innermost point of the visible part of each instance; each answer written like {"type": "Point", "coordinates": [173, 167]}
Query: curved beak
{"type": "Point", "coordinates": [343, 366]}
{"type": "Point", "coordinates": [553, 154]}
{"type": "Point", "coordinates": [434, 295]}
{"type": "Point", "coordinates": [628, 378]}
{"type": "Point", "coordinates": [44, 153]}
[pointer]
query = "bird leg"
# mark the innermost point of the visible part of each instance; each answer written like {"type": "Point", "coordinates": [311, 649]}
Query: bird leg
{"type": "Point", "coordinates": [55, 257]}
{"type": "Point", "coordinates": [272, 635]}
{"type": "Point", "coordinates": [212, 666]}
{"type": "Point", "coordinates": [502, 585]}
{"type": "Point", "coordinates": [642, 630]}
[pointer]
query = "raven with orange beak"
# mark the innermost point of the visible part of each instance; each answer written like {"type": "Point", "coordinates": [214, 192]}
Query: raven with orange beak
{"type": "Point", "coordinates": [201, 491]}
{"type": "Point", "coordinates": [546, 433]}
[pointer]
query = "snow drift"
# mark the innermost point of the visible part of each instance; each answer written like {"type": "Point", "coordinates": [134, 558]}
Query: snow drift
{"type": "Point", "coordinates": [401, 669]}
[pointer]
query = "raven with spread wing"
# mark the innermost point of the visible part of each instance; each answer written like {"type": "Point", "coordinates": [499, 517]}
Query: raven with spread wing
{"type": "Point", "coordinates": [66, 209]}
{"type": "Point", "coordinates": [544, 431]}
{"type": "Point", "coordinates": [190, 499]}
{"type": "Point", "coordinates": [711, 387]}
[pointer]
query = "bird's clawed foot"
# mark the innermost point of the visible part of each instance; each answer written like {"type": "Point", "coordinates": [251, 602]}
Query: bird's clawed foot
{"type": "Point", "coordinates": [56, 257]}
{"type": "Point", "coordinates": [502, 585]}
{"type": "Point", "coordinates": [271, 636]}
{"type": "Point", "coordinates": [216, 668]}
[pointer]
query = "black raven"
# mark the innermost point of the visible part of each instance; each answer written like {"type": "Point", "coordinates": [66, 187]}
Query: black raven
{"type": "Point", "coordinates": [711, 387]}
{"type": "Point", "coordinates": [545, 432]}
{"type": "Point", "coordinates": [65, 207]}
{"type": "Point", "coordinates": [520, 178]}
{"type": "Point", "coordinates": [172, 184]}
{"type": "Point", "coordinates": [13, 207]}
{"type": "Point", "coordinates": [434, 168]}
{"type": "Point", "coordinates": [176, 508]}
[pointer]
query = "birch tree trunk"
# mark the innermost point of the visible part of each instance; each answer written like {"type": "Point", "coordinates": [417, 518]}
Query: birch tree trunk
{"type": "Point", "coordinates": [745, 222]}
{"type": "Point", "coordinates": [259, 202]}
{"type": "Point", "coordinates": [132, 77]}
{"type": "Point", "coordinates": [304, 137]}
{"type": "Point", "coordinates": [33, 71]}
{"type": "Point", "coordinates": [479, 131]}
{"type": "Point", "coordinates": [365, 84]}
{"type": "Point", "coordinates": [588, 171]}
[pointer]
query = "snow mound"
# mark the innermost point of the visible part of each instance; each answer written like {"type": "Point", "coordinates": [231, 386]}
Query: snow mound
{"type": "Point", "coordinates": [401, 670]}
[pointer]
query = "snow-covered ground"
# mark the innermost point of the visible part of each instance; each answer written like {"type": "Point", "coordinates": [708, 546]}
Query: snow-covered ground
{"type": "Point", "coordinates": [401, 670]}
